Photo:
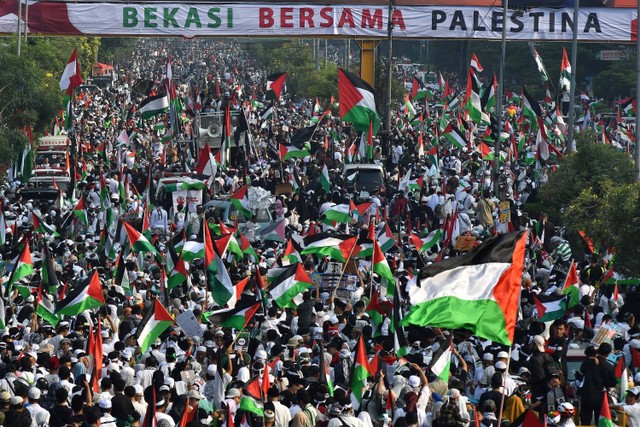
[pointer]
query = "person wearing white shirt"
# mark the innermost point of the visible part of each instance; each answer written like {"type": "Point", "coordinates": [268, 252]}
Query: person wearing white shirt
{"type": "Point", "coordinates": [631, 407]}
{"type": "Point", "coordinates": [159, 220]}
{"type": "Point", "coordinates": [39, 415]}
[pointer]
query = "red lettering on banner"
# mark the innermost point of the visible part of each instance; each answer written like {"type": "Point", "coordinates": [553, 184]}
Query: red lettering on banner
{"type": "Point", "coordinates": [306, 17]}
{"type": "Point", "coordinates": [398, 20]}
{"type": "Point", "coordinates": [346, 18]}
{"type": "Point", "coordinates": [286, 17]}
{"type": "Point", "coordinates": [266, 17]}
{"type": "Point", "coordinates": [369, 21]}
{"type": "Point", "coordinates": [325, 14]}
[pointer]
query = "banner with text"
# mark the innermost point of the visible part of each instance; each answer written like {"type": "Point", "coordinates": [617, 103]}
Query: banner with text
{"type": "Point", "coordinates": [300, 21]}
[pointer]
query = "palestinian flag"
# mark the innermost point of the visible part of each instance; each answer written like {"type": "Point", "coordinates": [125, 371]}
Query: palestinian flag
{"type": "Point", "coordinates": [267, 114]}
{"type": "Point", "coordinates": [292, 251]}
{"type": "Point", "coordinates": [192, 250]}
{"type": "Point", "coordinates": [385, 239]}
{"type": "Point", "coordinates": [275, 83]}
{"type": "Point", "coordinates": [155, 322]}
{"type": "Point", "coordinates": [376, 310]}
{"type": "Point", "coordinates": [605, 413]}
{"type": "Point", "coordinates": [441, 364]}
{"type": "Point", "coordinates": [275, 232]}
{"type": "Point", "coordinates": [530, 107]}
{"type": "Point", "coordinates": [572, 286]}
{"type": "Point", "coordinates": [139, 243]}
{"type": "Point", "coordinates": [324, 377]}
{"type": "Point", "coordinates": [178, 275]}
{"type": "Point", "coordinates": [357, 104]}
{"type": "Point", "coordinates": [422, 245]}
{"type": "Point", "coordinates": [48, 272]}
{"type": "Point", "coordinates": [541, 69]}
{"type": "Point", "coordinates": [400, 346]}
{"type": "Point", "coordinates": [338, 247]}
{"type": "Point", "coordinates": [475, 64]}
{"type": "Point", "coordinates": [22, 269]}
{"type": "Point", "coordinates": [40, 226]}
{"type": "Point", "coordinates": [478, 291]}
{"type": "Point", "coordinates": [80, 211]}
{"type": "Point", "coordinates": [46, 310]}
{"type": "Point", "coordinates": [220, 284]}
{"type": "Point", "coordinates": [187, 184]}
{"type": "Point", "coordinates": [287, 152]}
{"type": "Point", "coordinates": [240, 201]}
{"type": "Point", "coordinates": [247, 249]}
{"type": "Point", "coordinates": [325, 181]}
{"type": "Point", "coordinates": [473, 101]}
{"type": "Point", "coordinates": [251, 404]}
{"type": "Point", "coordinates": [629, 107]}
{"type": "Point", "coordinates": [455, 137]}
{"type": "Point", "coordinates": [489, 96]}
{"type": "Point", "coordinates": [338, 213]}
{"type": "Point", "coordinates": [289, 284]}
{"type": "Point", "coordinates": [237, 292]}
{"type": "Point", "coordinates": [380, 266]}
{"type": "Point", "coordinates": [154, 105]}
{"type": "Point", "coordinates": [3, 323]}
{"type": "Point", "coordinates": [82, 297]}
{"type": "Point", "coordinates": [565, 73]}
{"type": "Point", "coordinates": [551, 307]}
{"type": "Point", "coordinates": [361, 371]}
{"type": "Point", "coordinates": [238, 317]}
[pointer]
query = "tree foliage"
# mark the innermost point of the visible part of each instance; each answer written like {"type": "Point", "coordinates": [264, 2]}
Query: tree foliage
{"type": "Point", "coordinates": [611, 218]}
{"type": "Point", "coordinates": [589, 167]}
{"type": "Point", "coordinates": [593, 191]}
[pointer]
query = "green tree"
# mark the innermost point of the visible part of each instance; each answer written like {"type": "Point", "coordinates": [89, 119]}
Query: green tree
{"type": "Point", "coordinates": [588, 168]}
{"type": "Point", "coordinates": [610, 216]}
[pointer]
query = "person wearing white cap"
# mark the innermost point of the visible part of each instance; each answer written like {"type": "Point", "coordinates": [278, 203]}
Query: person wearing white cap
{"type": "Point", "coordinates": [161, 415]}
{"type": "Point", "coordinates": [631, 407]}
{"type": "Point", "coordinates": [106, 420]}
{"type": "Point", "coordinates": [483, 375]}
{"type": "Point", "coordinates": [39, 415]}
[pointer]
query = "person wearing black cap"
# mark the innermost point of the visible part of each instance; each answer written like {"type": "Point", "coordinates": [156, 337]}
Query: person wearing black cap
{"type": "Point", "coordinates": [282, 413]}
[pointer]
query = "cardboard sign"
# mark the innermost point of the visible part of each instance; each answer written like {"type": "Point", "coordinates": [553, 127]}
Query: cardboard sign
{"type": "Point", "coordinates": [465, 243]}
{"type": "Point", "coordinates": [505, 212]}
{"type": "Point", "coordinates": [189, 324]}
{"type": "Point", "coordinates": [242, 343]}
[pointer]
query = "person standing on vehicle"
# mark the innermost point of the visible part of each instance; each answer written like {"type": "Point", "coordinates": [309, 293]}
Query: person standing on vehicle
{"type": "Point", "coordinates": [159, 222]}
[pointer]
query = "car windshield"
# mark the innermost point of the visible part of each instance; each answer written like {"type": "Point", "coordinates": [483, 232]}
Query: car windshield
{"type": "Point", "coordinates": [368, 180]}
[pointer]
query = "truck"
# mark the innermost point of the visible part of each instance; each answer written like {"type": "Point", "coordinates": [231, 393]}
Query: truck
{"type": "Point", "coordinates": [52, 163]}
{"type": "Point", "coordinates": [363, 178]}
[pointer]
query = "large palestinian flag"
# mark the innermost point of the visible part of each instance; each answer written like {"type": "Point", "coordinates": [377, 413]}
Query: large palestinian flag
{"type": "Point", "coordinates": [338, 247]}
{"type": "Point", "coordinates": [288, 284]}
{"type": "Point", "coordinates": [275, 83]}
{"type": "Point", "coordinates": [153, 106]}
{"type": "Point", "coordinates": [359, 375]}
{"type": "Point", "coordinates": [139, 243]}
{"type": "Point", "coordinates": [82, 297]}
{"type": "Point", "coordinates": [23, 268]}
{"type": "Point", "coordinates": [155, 322]}
{"type": "Point", "coordinates": [478, 291]}
{"type": "Point", "coordinates": [357, 104]}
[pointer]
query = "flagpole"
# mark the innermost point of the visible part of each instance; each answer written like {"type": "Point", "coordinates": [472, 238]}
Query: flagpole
{"type": "Point", "coordinates": [504, 378]}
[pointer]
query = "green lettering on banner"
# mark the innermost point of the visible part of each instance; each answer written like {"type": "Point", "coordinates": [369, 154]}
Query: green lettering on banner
{"type": "Point", "coordinates": [229, 17]}
{"type": "Point", "coordinates": [213, 16]}
{"type": "Point", "coordinates": [193, 18]}
{"type": "Point", "coordinates": [129, 17]}
{"type": "Point", "coordinates": [169, 17]}
{"type": "Point", "coordinates": [150, 17]}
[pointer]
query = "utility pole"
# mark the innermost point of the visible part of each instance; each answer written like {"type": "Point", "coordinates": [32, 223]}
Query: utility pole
{"type": "Point", "coordinates": [387, 113]}
{"type": "Point", "coordinates": [498, 144]}
{"type": "Point", "coordinates": [574, 70]}
{"type": "Point", "coordinates": [19, 27]}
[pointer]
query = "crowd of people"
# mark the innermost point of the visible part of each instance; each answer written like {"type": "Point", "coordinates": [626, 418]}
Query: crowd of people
{"type": "Point", "coordinates": [293, 363]}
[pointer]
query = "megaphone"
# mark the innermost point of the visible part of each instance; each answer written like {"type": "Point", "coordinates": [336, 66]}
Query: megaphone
{"type": "Point", "coordinates": [213, 131]}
